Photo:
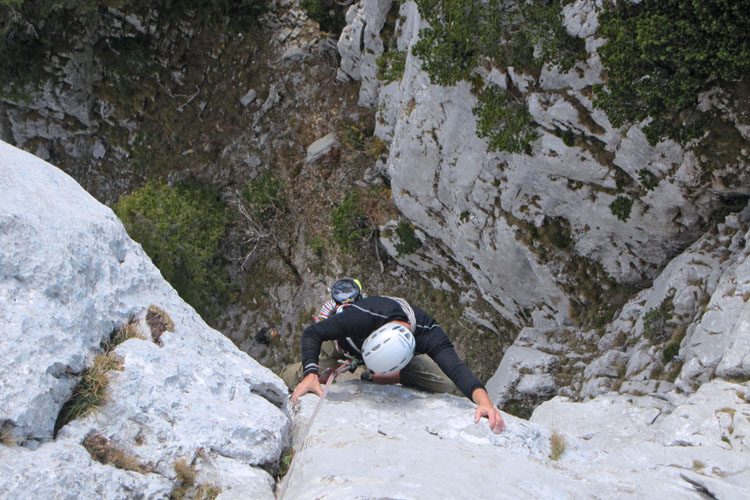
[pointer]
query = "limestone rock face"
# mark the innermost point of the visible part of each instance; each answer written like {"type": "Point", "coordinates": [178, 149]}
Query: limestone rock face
{"type": "Point", "coordinates": [64, 469]}
{"type": "Point", "coordinates": [69, 277]}
{"type": "Point", "coordinates": [480, 207]}
{"type": "Point", "coordinates": [360, 45]}
{"type": "Point", "coordinates": [390, 442]}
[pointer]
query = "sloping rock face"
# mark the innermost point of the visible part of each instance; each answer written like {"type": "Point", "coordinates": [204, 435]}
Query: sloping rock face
{"type": "Point", "coordinates": [482, 206]}
{"type": "Point", "coordinates": [390, 442]}
{"type": "Point", "coordinates": [69, 277]}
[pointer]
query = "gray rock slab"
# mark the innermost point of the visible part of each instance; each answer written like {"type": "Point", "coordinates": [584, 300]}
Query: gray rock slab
{"type": "Point", "coordinates": [390, 442]}
{"type": "Point", "coordinates": [249, 97]}
{"type": "Point", "coordinates": [167, 404]}
{"type": "Point", "coordinates": [321, 147]}
{"type": "Point", "coordinates": [65, 469]}
{"type": "Point", "coordinates": [69, 276]}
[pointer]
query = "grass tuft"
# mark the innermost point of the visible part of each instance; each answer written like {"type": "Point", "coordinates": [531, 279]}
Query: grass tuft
{"type": "Point", "coordinates": [6, 436]}
{"type": "Point", "coordinates": [103, 451]}
{"type": "Point", "coordinates": [91, 391]}
{"type": "Point", "coordinates": [186, 486]}
{"type": "Point", "coordinates": [127, 331]}
{"type": "Point", "coordinates": [556, 445]}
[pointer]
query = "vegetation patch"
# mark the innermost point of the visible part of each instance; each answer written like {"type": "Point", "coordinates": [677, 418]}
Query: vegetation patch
{"type": "Point", "coordinates": [158, 322]}
{"type": "Point", "coordinates": [348, 222]}
{"type": "Point", "coordinates": [672, 347]}
{"type": "Point", "coordinates": [464, 33]}
{"type": "Point", "coordinates": [357, 136]}
{"type": "Point", "coordinates": [391, 66]}
{"type": "Point", "coordinates": [329, 14]}
{"type": "Point", "coordinates": [91, 391]}
{"type": "Point", "coordinates": [186, 484]}
{"type": "Point", "coordinates": [655, 321]}
{"type": "Point", "coordinates": [264, 197]}
{"type": "Point", "coordinates": [621, 207]}
{"type": "Point", "coordinates": [103, 451]}
{"type": "Point", "coordinates": [180, 228]}
{"type": "Point", "coordinates": [31, 31]}
{"type": "Point", "coordinates": [505, 120]}
{"type": "Point", "coordinates": [408, 242]}
{"type": "Point", "coordinates": [648, 179]}
{"type": "Point", "coordinates": [661, 54]}
{"type": "Point", "coordinates": [556, 445]}
{"type": "Point", "coordinates": [461, 33]}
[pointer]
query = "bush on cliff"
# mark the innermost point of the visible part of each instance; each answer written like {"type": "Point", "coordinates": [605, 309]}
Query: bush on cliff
{"type": "Point", "coordinates": [180, 228]}
{"type": "Point", "coordinates": [661, 54]}
{"type": "Point", "coordinates": [464, 33]}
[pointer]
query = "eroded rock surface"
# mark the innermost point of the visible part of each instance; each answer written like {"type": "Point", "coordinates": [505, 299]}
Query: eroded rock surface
{"type": "Point", "coordinates": [69, 277]}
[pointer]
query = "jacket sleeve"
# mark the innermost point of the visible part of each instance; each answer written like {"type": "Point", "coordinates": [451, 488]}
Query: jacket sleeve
{"type": "Point", "coordinates": [313, 337]}
{"type": "Point", "coordinates": [438, 346]}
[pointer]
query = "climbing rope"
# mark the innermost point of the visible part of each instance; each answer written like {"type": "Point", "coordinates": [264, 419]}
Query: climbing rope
{"type": "Point", "coordinates": [348, 365]}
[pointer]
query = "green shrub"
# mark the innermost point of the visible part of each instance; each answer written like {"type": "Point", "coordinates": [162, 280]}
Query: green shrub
{"type": "Point", "coordinates": [263, 196]}
{"type": "Point", "coordinates": [462, 32]}
{"type": "Point", "coordinates": [505, 120]}
{"type": "Point", "coordinates": [661, 54]}
{"type": "Point", "coordinates": [317, 245]}
{"type": "Point", "coordinates": [655, 321]}
{"type": "Point", "coordinates": [180, 228]}
{"type": "Point", "coordinates": [356, 136]}
{"type": "Point", "coordinates": [408, 241]}
{"type": "Point", "coordinates": [349, 223]}
{"type": "Point", "coordinates": [449, 46]}
{"type": "Point", "coordinates": [391, 66]}
{"type": "Point", "coordinates": [327, 13]}
{"type": "Point", "coordinates": [648, 179]}
{"type": "Point", "coordinates": [621, 207]}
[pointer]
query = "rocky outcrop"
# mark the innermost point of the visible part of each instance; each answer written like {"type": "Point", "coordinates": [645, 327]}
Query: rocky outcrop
{"type": "Point", "coordinates": [70, 280]}
{"type": "Point", "coordinates": [482, 206]}
{"type": "Point", "coordinates": [659, 341]}
{"type": "Point", "coordinates": [389, 442]}
{"type": "Point", "coordinates": [360, 45]}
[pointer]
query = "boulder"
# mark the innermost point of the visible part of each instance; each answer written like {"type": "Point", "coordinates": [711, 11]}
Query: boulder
{"type": "Point", "coordinates": [321, 147]}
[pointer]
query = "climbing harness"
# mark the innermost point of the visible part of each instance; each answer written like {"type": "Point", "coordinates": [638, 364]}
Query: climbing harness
{"type": "Point", "coordinates": [350, 364]}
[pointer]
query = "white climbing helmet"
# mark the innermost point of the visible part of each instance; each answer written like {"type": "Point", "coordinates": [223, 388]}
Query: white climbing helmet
{"type": "Point", "coordinates": [388, 349]}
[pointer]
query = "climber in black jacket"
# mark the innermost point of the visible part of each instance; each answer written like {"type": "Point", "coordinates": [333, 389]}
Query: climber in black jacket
{"type": "Point", "coordinates": [386, 332]}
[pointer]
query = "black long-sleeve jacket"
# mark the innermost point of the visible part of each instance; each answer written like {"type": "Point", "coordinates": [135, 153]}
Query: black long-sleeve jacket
{"type": "Point", "coordinates": [358, 320]}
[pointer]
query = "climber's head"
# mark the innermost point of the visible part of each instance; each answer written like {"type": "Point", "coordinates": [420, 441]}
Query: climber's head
{"type": "Point", "coordinates": [346, 290]}
{"type": "Point", "coordinates": [389, 348]}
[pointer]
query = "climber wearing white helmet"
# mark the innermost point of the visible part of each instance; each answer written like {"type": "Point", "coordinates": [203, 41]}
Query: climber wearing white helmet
{"type": "Point", "coordinates": [421, 372]}
{"type": "Point", "coordinates": [390, 335]}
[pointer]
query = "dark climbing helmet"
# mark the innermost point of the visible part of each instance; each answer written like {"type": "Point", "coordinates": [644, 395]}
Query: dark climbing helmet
{"type": "Point", "coordinates": [346, 290]}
